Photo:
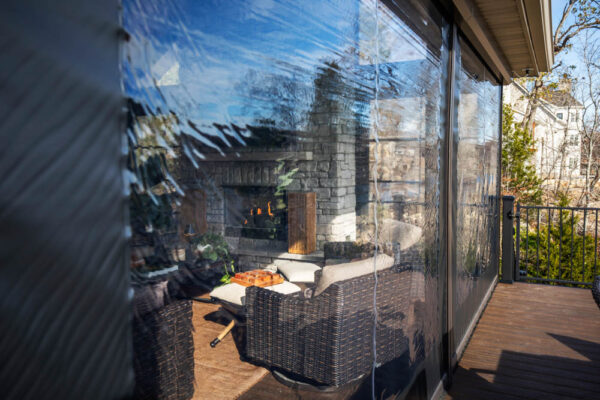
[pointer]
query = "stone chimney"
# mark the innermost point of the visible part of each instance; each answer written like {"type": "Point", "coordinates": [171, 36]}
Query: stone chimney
{"type": "Point", "coordinates": [565, 85]}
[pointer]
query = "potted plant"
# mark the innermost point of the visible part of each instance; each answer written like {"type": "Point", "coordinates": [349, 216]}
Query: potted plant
{"type": "Point", "coordinates": [210, 248]}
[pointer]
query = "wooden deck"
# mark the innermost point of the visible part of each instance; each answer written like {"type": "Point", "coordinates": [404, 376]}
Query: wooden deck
{"type": "Point", "coordinates": [533, 342]}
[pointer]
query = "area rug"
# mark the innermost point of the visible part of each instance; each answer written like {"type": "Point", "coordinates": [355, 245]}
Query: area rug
{"type": "Point", "coordinates": [219, 372]}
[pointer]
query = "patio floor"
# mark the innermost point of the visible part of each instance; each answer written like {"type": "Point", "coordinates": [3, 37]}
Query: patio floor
{"type": "Point", "coordinates": [533, 342]}
{"type": "Point", "coordinates": [221, 374]}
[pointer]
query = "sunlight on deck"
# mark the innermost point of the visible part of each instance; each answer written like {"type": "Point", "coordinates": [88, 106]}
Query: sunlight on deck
{"type": "Point", "coordinates": [533, 341]}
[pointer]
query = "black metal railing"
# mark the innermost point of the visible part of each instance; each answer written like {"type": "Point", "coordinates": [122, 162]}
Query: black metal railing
{"type": "Point", "coordinates": [557, 245]}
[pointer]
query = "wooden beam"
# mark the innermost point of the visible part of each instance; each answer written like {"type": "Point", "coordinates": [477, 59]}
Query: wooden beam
{"type": "Point", "coordinates": [539, 15]}
{"type": "Point", "coordinates": [473, 20]}
{"type": "Point", "coordinates": [527, 35]}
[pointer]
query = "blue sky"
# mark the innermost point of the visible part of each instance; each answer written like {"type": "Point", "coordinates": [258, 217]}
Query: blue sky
{"type": "Point", "coordinates": [217, 61]}
{"type": "Point", "coordinates": [570, 57]}
{"type": "Point", "coordinates": [211, 47]}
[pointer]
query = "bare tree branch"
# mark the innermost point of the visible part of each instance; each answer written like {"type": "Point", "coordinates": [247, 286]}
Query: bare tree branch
{"type": "Point", "coordinates": [565, 14]}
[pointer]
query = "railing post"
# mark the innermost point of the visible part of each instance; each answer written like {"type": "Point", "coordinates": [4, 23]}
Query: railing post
{"type": "Point", "coordinates": [508, 255]}
{"type": "Point", "coordinates": [518, 243]}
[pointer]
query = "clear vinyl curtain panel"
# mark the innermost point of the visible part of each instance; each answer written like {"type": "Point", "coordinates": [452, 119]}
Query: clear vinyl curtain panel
{"type": "Point", "coordinates": [477, 186]}
{"type": "Point", "coordinates": [286, 136]}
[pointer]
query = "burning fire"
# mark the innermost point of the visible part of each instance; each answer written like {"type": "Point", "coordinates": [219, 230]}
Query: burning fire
{"type": "Point", "coordinates": [260, 211]}
{"type": "Point", "coordinates": [269, 209]}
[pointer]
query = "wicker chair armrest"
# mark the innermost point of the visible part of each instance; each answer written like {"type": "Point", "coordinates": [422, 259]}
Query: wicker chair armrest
{"type": "Point", "coordinates": [274, 328]}
{"type": "Point", "coordinates": [318, 275]}
{"type": "Point", "coordinates": [261, 298]}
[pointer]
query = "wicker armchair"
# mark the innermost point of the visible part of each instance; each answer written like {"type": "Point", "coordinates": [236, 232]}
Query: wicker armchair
{"type": "Point", "coordinates": [162, 344]}
{"type": "Point", "coordinates": [328, 338]}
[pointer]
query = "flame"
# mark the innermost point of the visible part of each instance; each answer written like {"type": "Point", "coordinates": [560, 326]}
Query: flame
{"type": "Point", "coordinates": [245, 222]}
{"type": "Point", "coordinates": [269, 209]}
{"type": "Point", "coordinates": [258, 211]}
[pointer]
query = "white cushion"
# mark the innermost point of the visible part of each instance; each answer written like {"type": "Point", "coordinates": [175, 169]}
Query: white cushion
{"type": "Point", "coordinates": [236, 294]}
{"type": "Point", "coordinates": [284, 288]}
{"type": "Point", "coordinates": [392, 231]}
{"type": "Point", "coordinates": [342, 272]}
{"type": "Point", "coordinates": [296, 271]}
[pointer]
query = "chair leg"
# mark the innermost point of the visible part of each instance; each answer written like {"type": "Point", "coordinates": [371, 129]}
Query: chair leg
{"type": "Point", "coordinates": [222, 334]}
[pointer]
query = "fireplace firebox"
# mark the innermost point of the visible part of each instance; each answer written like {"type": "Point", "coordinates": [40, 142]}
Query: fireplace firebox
{"type": "Point", "coordinates": [255, 212]}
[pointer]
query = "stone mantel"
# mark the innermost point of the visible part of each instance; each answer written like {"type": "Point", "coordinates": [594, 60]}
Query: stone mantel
{"type": "Point", "coordinates": [259, 156]}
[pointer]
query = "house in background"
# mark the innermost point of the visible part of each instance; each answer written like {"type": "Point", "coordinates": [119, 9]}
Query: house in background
{"type": "Point", "coordinates": [555, 129]}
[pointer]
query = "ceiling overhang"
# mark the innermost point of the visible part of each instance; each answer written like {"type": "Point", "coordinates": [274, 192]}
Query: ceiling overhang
{"type": "Point", "coordinates": [513, 36]}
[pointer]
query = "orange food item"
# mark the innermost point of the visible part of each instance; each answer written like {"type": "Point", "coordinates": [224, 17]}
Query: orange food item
{"type": "Point", "coordinates": [258, 277]}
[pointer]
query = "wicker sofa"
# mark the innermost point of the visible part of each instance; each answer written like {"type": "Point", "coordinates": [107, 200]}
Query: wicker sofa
{"type": "Point", "coordinates": [327, 338]}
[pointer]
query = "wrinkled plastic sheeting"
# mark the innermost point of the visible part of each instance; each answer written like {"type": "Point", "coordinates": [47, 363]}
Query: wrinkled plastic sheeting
{"type": "Point", "coordinates": [64, 308]}
{"type": "Point", "coordinates": [477, 205]}
{"type": "Point", "coordinates": [345, 99]}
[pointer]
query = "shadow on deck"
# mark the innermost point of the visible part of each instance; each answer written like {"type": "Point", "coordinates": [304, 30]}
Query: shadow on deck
{"type": "Point", "coordinates": [533, 342]}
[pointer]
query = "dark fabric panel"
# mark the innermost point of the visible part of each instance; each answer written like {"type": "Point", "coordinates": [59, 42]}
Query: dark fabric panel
{"type": "Point", "coordinates": [64, 307]}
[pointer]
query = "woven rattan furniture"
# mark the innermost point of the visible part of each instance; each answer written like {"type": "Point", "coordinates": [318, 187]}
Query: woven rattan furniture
{"type": "Point", "coordinates": [328, 338]}
{"type": "Point", "coordinates": [162, 344]}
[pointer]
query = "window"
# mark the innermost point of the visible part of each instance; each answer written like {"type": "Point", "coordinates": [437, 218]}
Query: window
{"type": "Point", "coordinates": [560, 115]}
{"type": "Point", "coordinates": [573, 140]}
{"type": "Point", "coordinates": [573, 161]}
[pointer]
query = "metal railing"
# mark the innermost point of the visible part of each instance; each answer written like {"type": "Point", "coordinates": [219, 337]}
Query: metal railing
{"type": "Point", "coordinates": [557, 245]}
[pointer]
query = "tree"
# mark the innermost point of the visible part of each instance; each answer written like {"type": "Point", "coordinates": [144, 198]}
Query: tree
{"type": "Point", "coordinates": [519, 177]}
{"type": "Point", "coordinates": [589, 121]}
{"type": "Point", "coordinates": [584, 15]}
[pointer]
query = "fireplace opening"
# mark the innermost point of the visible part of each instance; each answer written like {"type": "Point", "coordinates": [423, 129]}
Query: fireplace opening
{"type": "Point", "coordinates": [255, 213]}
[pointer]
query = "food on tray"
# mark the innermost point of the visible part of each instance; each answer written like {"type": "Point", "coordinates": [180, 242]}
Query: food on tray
{"type": "Point", "coordinates": [259, 277]}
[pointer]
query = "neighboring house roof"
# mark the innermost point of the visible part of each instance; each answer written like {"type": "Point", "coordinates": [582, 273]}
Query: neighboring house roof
{"type": "Point", "coordinates": [560, 98]}
{"type": "Point", "coordinates": [544, 105]}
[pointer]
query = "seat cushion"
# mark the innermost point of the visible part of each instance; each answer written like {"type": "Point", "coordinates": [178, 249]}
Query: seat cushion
{"type": "Point", "coordinates": [342, 272]}
{"type": "Point", "coordinates": [236, 294]}
{"type": "Point", "coordinates": [393, 231]}
{"type": "Point", "coordinates": [296, 271]}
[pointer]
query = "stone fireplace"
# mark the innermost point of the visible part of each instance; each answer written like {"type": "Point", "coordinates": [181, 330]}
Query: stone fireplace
{"type": "Point", "coordinates": [255, 212]}
{"type": "Point", "coordinates": [239, 183]}
{"type": "Point", "coordinates": [321, 158]}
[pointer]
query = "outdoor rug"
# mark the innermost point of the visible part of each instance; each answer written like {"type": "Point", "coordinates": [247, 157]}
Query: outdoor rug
{"type": "Point", "coordinates": [219, 372]}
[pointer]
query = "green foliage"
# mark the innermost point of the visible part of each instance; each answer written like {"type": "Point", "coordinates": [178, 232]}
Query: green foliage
{"type": "Point", "coordinates": [519, 177]}
{"type": "Point", "coordinates": [229, 273]}
{"type": "Point", "coordinates": [565, 248]}
{"type": "Point", "coordinates": [212, 247]}
{"type": "Point", "coordinates": [285, 179]}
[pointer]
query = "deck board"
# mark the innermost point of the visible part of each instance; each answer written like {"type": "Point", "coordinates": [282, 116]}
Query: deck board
{"type": "Point", "coordinates": [533, 341]}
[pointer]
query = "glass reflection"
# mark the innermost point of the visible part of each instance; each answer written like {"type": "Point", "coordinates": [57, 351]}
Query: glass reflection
{"type": "Point", "coordinates": [252, 144]}
{"type": "Point", "coordinates": [477, 187]}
